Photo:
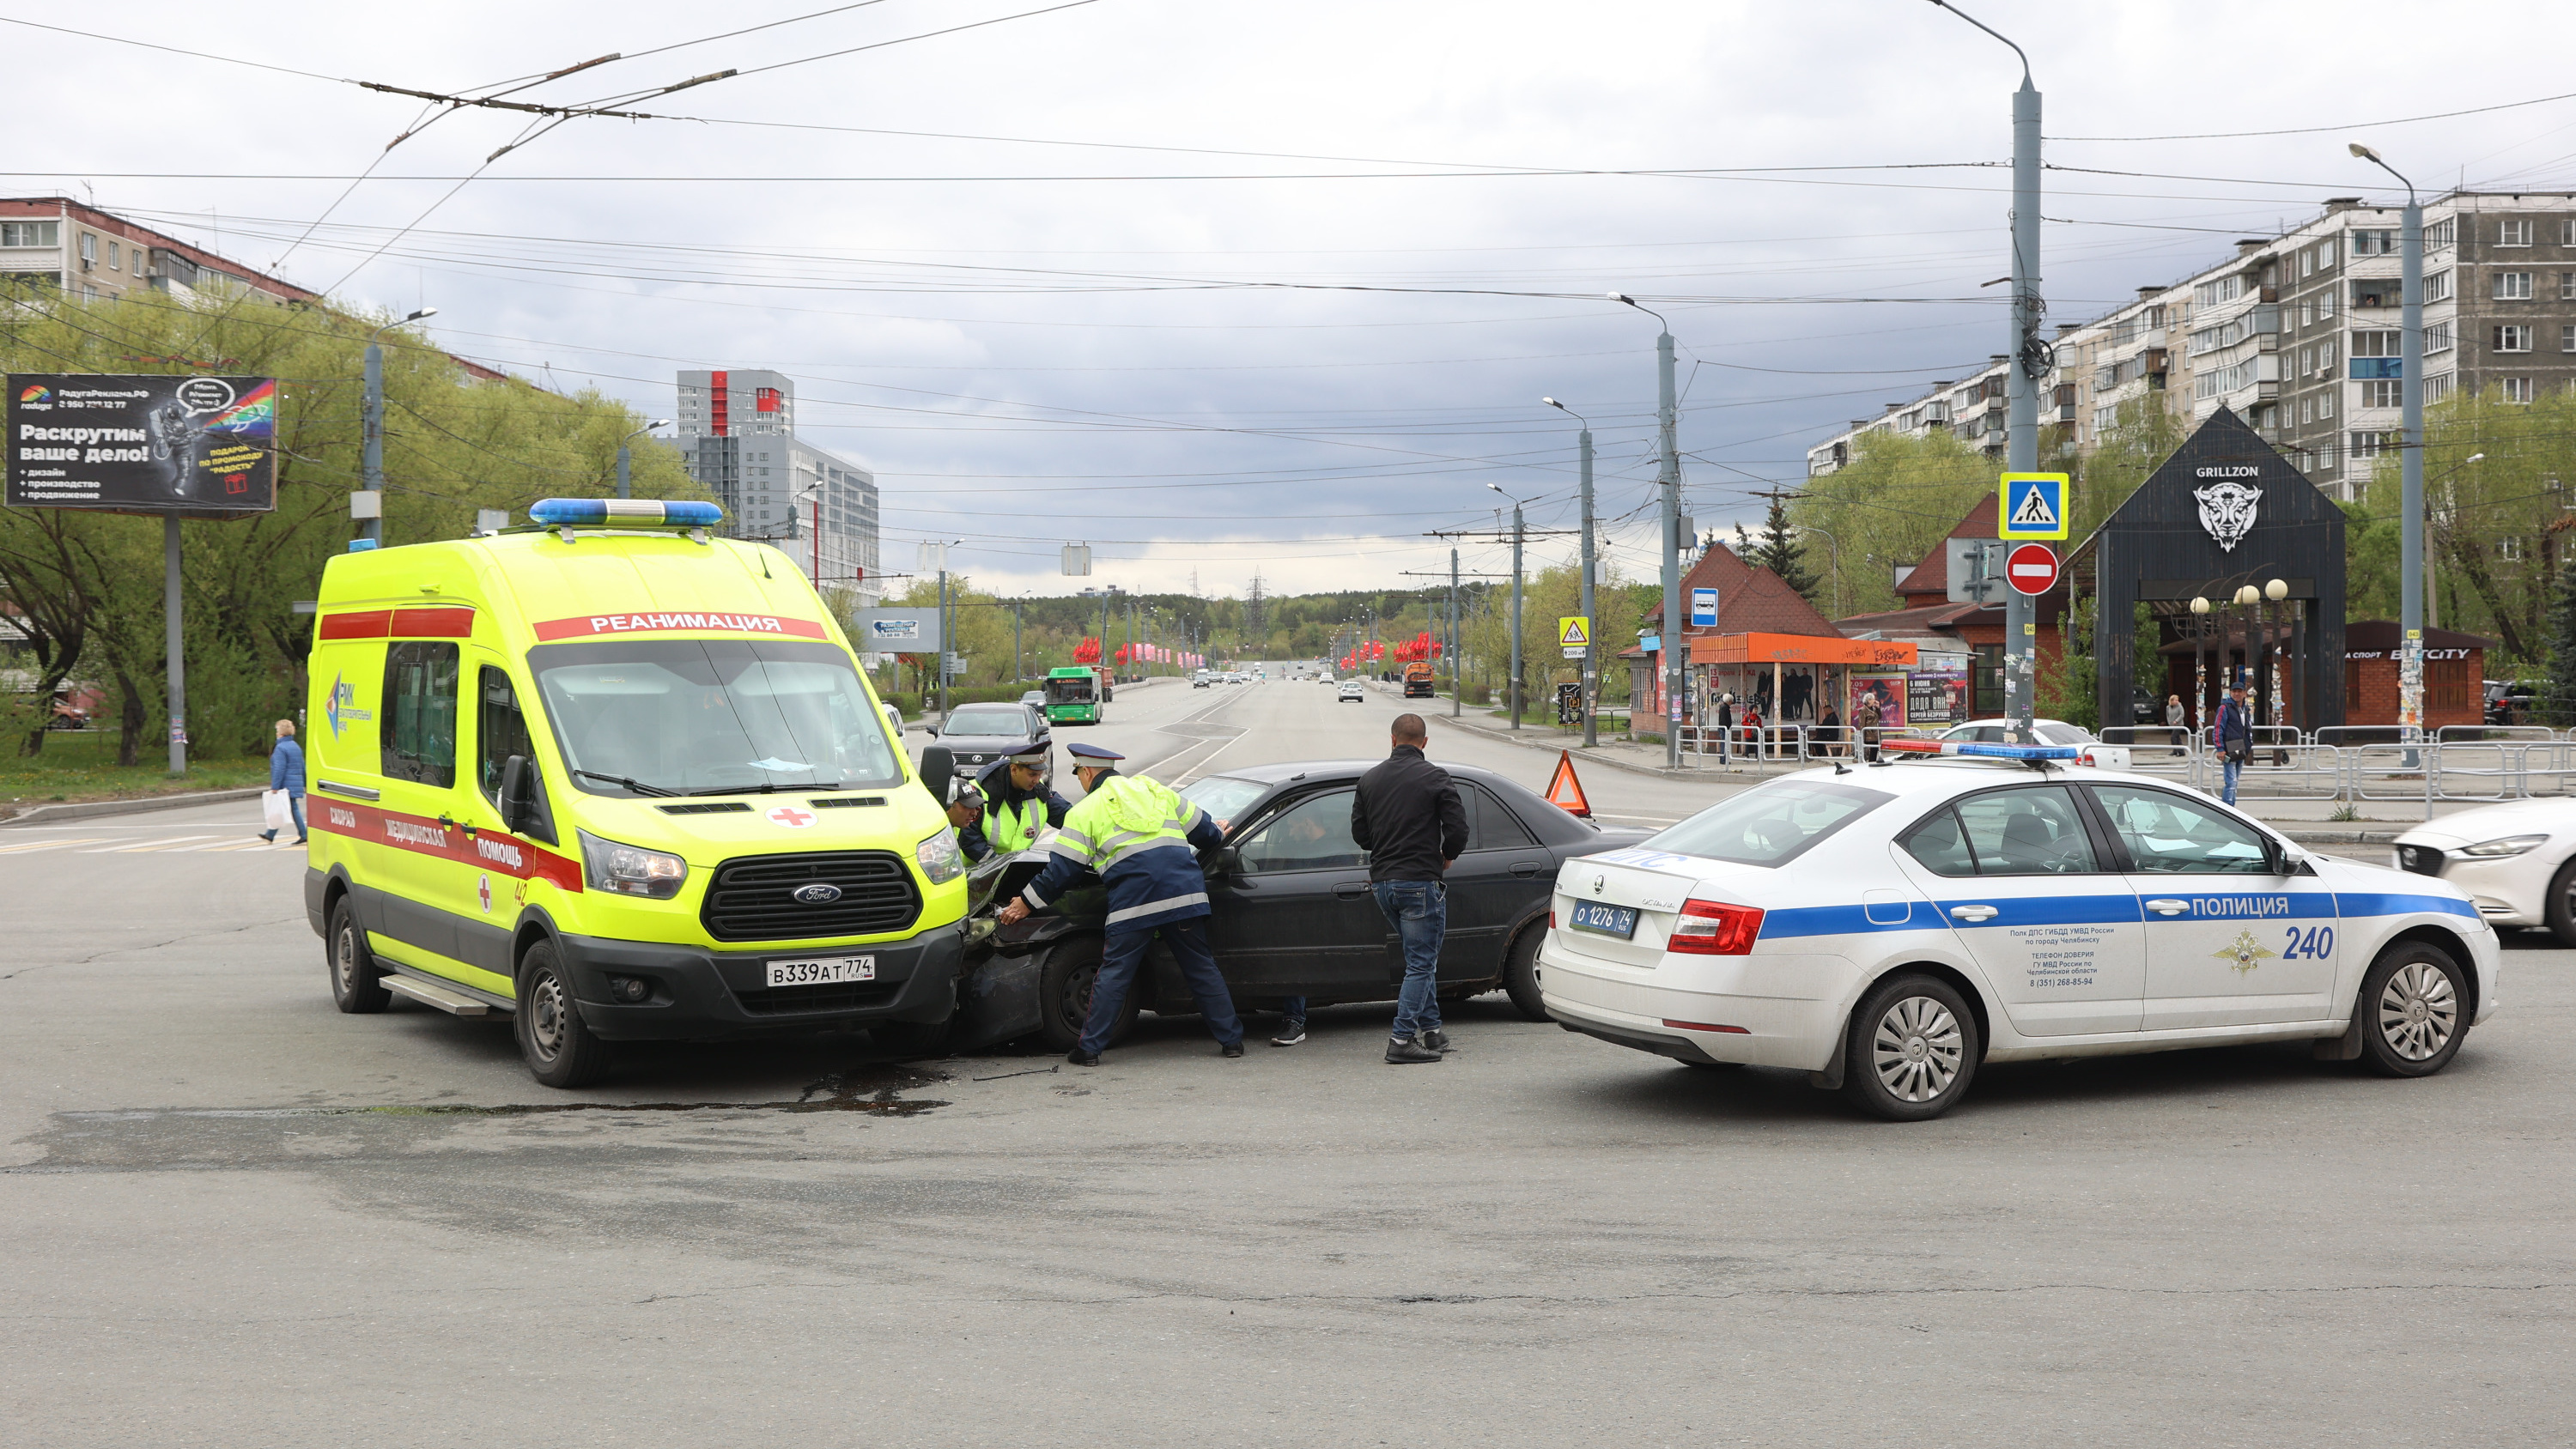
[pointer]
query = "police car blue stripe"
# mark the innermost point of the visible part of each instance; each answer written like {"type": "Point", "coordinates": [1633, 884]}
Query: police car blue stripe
{"type": "Point", "coordinates": [2247, 906]}
{"type": "Point", "coordinates": [2358, 903]}
{"type": "Point", "coordinates": [2009, 911]}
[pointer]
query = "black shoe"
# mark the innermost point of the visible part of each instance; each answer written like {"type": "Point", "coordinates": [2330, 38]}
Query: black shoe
{"type": "Point", "coordinates": [1404, 1050]}
{"type": "Point", "coordinates": [299, 840]}
{"type": "Point", "coordinates": [1231, 1049]}
{"type": "Point", "coordinates": [1436, 1039]}
{"type": "Point", "coordinates": [269, 835]}
{"type": "Point", "coordinates": [1081, 1058]}
{"type": "Point", "coordinates": [1290, 1034]}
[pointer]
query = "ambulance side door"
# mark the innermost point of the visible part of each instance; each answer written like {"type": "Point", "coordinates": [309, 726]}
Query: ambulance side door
{"type": "Point", "coordinates": [487, 916]}
{"type": "Point", "coordinates": [417, 730]}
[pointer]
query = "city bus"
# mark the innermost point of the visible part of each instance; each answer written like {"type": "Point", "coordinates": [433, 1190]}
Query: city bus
{"type": "Point", "coordinates": [1073, 695]}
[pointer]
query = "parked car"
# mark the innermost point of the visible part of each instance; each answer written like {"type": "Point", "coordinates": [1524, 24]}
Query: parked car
{"type": "Point", "coordinates": [894, 721]}
{"type": "Point", "coordinates": [978, 734]}
{"type": "Point", "coordinates": [2517, 861]}
{"type": "Point", "coordinates": [2050, 732]}
{"type": "Point", "coordinates": [2510, 701]}
{"type": "Point", "coordinates": [1293, 913]}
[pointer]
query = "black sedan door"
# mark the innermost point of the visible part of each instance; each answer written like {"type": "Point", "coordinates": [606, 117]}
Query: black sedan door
{"type": "Point", "coordinates": [1503, 875]}
{"type": "Point", "coordinates": [1296, 918]}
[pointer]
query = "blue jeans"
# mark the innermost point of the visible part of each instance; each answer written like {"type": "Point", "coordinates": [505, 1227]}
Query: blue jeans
{"type": "Point", "coordinates": [1419, 911]}
{"type": "Point", "coordinates": [1124, 951]}
{"type": "Point", "coordinates": [2232, 765]}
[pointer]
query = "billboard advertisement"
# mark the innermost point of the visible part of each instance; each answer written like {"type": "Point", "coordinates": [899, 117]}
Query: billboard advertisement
{"type": "Point", "coordinates": [142, 444]}
{"type": "Point", "coordinates": [897, 631]}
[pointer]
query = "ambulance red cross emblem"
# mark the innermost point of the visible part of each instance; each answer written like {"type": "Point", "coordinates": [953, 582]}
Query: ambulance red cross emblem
{"type": "Point", "coordinates": [483, 888]}
{"type": "Point", "coordinates": [791, 817]}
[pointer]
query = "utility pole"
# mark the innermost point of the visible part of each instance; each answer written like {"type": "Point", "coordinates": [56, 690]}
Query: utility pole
{"type": "Point", "coordinates": [1591, 625]}
{"type": "Point", "coordinates": [1519, 536]}
{"type": "Point", "coordinates": [946, 644]}
{"type": "Point", "coordinates": [1668, 478]}
{"type": "Point", "coordinates": [2410, 396]}
{"type": "Point", "coordinates": [374, 421]}
{"type": "Point", "coordinates": [626, 486]}
{"type": "Point", "coordinates": [1019, 671]}
{"type": "Point", "coordinates": [2029, 362]}
{"type": "Point", "coordinates": [1455, 692]}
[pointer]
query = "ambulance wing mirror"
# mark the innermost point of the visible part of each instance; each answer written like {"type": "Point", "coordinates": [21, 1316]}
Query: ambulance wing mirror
{"type": "Point", "coordinates": [518, 794]}
{"type": "Point", "coordinates": [938, 771]}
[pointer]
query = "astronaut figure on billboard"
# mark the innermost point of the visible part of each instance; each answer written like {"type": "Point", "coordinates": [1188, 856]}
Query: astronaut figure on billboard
{"type": "Point", "coordinates": [175, 436]}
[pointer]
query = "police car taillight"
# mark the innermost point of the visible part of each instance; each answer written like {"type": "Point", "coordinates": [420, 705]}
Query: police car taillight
{"type": "Point", "coordinates": [1715, 928]}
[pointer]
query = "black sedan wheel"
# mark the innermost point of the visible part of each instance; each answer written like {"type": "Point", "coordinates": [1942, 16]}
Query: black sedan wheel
{"type": "Point", "coordinates": [1064, 995]}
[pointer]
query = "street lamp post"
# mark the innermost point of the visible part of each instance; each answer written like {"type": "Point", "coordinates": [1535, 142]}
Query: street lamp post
{"type": "Point", "coordinates": [374, 459]}
{"type": "Point", "coordinates": [2029, 362]}
{"type": "Point", "coordinates": [2410, 391]}
{"type": "Point", "coordinates": [1669, 478]}
{"type": "Point", "coordinates": [625, 487]}
{"type": "Point", "coordinates": [1591, 626]}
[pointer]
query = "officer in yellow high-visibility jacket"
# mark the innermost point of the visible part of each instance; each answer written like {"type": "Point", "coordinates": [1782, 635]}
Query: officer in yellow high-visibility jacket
{"type": "Point", "coordinates": [1017, 805]}
{"type": "Point", "coordinates": [1143, 841]}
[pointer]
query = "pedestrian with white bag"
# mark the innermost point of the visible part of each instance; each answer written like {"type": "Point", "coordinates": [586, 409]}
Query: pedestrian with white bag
{"type": "Point", "coordinates": [284, 802]}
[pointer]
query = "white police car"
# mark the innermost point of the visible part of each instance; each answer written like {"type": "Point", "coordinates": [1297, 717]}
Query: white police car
{"type": "Point", "coordinates": [1890, 927]}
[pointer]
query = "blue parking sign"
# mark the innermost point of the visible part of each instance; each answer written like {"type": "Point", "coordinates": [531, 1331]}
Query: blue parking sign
{"type": "Point", "coordinates": [2032, 505]}
{"type": "Point", "coordinates": [1703, 608]}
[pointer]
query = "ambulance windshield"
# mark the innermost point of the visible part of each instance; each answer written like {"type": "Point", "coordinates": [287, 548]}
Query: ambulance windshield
{"type": "Point", "coordinates": [711, 716]}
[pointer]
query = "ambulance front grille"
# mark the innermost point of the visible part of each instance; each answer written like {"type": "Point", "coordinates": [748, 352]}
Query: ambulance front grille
{"type": "Point", "coordinates": [753, 899]}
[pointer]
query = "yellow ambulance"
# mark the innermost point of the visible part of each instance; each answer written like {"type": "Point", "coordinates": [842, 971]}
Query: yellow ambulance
{"type": "Point", "coordinates": [622, 779]}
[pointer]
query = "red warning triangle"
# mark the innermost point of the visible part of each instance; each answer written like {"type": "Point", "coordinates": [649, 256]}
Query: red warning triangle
{"type": "Point", "coordinates": [1565, 791]}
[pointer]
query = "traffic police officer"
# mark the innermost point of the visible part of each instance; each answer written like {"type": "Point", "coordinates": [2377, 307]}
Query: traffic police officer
{"type": "Point", "coordinates": [1143, 841]}
{"type": "Point", "coordinates": [1017, 804]}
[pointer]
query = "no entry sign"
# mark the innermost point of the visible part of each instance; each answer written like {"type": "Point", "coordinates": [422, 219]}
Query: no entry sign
{"type": "Point", "coordinates": [2032, 568]}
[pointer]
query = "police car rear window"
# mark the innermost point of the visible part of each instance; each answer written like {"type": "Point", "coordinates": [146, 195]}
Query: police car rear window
{"type": "Point", "coordinates": [1772, 824]}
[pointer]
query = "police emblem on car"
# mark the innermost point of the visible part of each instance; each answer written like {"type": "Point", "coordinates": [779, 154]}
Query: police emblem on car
{"type": "Point", "coordinates": [820, 893]}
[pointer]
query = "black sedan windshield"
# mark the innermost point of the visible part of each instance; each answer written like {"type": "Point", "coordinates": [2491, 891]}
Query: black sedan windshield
{"type": "Point", "coordinates": [711, 716]}
{"type": "Point", "coordinates": [1004, 723]}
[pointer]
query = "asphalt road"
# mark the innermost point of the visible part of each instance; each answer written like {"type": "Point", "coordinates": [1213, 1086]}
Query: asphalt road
{"type": "Point", "coordinates": [229, 1215]}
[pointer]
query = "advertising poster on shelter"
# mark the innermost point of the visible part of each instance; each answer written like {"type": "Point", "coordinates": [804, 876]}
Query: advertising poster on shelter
{"type": "Point", "coordinates": [142, 444]}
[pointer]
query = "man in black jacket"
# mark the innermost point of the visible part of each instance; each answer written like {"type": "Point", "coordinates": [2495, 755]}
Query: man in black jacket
{"type": "Point", "coordinates": [1407, 815]}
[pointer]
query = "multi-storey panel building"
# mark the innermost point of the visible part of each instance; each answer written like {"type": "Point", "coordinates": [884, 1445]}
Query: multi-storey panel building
{"type": "Point", "coordinates": [2299, 335]}
{"type": "Point", "coordinates": [55, 245]}
{"type": "Point", "coordinates": [736, 431]}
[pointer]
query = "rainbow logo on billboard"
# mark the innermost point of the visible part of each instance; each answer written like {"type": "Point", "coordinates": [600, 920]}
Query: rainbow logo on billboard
{"type": "Point", "coordinates": [36, 392]}
{"type": "Point", "coordinates": [253, 414]}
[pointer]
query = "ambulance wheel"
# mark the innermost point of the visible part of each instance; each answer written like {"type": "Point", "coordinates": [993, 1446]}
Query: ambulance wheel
{"type": "Point", "coordinates": [2412, 1009]}
{"type": "Point", "coordinates": [357, 986]}
{"type": "Point", "coordinates": [1520, 975]}
{"type": "Point", "coordinates": [1064, 995]}
{"type": "Point", "coordinates": [553, 1039]}
{"type": "Point", "coordinates": [2559, 907]}
{"type": "Point", "coordinates": [1910, 1050]}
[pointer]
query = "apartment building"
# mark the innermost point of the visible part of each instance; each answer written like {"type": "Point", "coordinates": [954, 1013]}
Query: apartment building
{"type": "Point", "coordinates": [736, 431]}
{"type": "Point", "coordinates": [56, 245]}
{"type": "Point", "coordinates": [2299, 336]}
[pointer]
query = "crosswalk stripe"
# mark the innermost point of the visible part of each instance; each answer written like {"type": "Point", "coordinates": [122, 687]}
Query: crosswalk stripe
{"type": "Point", "coordinates": [35, 845]}
{"type": "Point", "coordinates": [141, 846]}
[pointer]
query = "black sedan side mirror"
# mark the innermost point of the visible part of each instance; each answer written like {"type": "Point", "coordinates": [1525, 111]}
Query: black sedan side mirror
{"type": "Point", "coordinates": [1227, 861]}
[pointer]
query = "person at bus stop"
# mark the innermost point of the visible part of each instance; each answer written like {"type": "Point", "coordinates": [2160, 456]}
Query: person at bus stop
{"type": "Point", "coordinates": [2235, 737]}
{"type": "Point", "coordinates": [1017, 804]}
{"type": "Point", "coordinates": [2176, 721]}
{"type": "Point", "coordinates": [1865, 719]}
{"type": "Point", "coordinates": [1143, 840]}
{"type": "Point", "coordinates": [1830, 730]}
{"type": "Point", "coordinates": [286, 772]}
{"type": "Point", "coordinates": [1725, 724]}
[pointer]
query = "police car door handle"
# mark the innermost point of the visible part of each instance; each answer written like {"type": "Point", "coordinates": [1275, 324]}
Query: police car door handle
{"type": "Point", "coordinates": [2170, 907]}
{"type": "Point", "coordinates": [1974, 913]}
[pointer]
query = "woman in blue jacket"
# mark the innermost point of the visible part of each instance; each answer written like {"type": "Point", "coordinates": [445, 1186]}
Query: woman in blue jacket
{"type": "Point", "coordinates": [286, 772]}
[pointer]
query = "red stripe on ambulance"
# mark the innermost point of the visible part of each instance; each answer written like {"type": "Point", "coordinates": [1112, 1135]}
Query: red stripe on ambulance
{"type": "Point", "coordinates": [664, 623]}
{"type": "Point", "coordinates": [485, 849]}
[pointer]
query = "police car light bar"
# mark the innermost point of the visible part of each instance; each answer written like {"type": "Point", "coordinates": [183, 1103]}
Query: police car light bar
{"type": "Point", "coordinates": [626, 512]}
{"type": "Point", "coordinates": [1980, 751]}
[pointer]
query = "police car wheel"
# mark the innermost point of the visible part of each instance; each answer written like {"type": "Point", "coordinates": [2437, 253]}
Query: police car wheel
{"type": "Point", "coordinates": [357, 987]}
{"type": "Point", "coordinates": [2414, 1011]}
{"type": "Point", "coordinates": [1520, 975]}
{"type": "Point", "coordinates": [554, 1041]}
{"type": "Point", "coordinates": [2559, 907]}
{"type": "Point", "coordinates": [1064, 995]}
{"type": "Point", "coordinates": [1910, 1051]}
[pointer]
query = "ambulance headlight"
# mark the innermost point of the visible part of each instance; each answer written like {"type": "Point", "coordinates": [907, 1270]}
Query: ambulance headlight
{"type": "Point", "coordinates": [631, 870]}
{"type": "Point", "coordinates": [940, 858]}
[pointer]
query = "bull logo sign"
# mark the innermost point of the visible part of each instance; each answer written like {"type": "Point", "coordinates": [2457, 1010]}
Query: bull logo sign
{"type": "Point", "coordinates": [2227, 508]}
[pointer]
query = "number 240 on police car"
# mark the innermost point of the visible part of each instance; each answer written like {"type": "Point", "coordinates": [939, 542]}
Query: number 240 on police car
{"type": "Point", "coordinates": [823, 972]}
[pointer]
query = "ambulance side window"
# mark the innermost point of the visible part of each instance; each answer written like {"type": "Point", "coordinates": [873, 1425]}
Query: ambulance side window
{"type": "Point", "coordinates": [500, 731]}
{"type": "Point", "coordinates": [419, 719]}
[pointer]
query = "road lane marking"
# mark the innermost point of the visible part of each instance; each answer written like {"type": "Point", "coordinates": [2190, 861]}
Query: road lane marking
{"type": "Point", "coordinates": [141, 846]}
{"type": "Point", "coordinates": [32, 845]}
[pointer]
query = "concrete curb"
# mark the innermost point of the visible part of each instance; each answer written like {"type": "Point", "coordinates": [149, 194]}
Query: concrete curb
{"type": "Point", "coordinates": [92, 809]}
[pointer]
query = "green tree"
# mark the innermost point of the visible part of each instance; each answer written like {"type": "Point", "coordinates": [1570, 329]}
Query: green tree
{"type": "Point", "coordinates": [2558, 691]}
{"type": "Point", "coordinates": [1897, 497]}
{"type": "Point", "coordinates": [1779, 549]}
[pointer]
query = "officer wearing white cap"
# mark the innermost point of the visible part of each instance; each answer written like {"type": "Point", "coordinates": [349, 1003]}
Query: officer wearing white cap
{"type": "Point", "coordinates": [1017, 804]}
{"type": "Point", "coordinates": [1143, 841]}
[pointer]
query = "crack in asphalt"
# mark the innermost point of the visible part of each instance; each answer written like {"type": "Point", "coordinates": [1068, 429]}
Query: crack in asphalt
{"type": "Point", "coordinates": [156, 946]}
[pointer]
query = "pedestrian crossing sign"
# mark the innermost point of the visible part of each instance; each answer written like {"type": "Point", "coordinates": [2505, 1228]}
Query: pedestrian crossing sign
{"type": "Point", "coordinates": [2033, 505]}
{"type": "Point", "coordinates": [1574, 631]}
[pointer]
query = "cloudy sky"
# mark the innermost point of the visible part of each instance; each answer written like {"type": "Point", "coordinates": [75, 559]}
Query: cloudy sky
{"type": "Point", "coordinates": [1223, 287]}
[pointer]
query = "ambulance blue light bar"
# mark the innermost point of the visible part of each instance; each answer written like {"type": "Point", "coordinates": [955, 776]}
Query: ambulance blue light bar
{"type": "Point", "coordinates": [626, 512]}
{"type": "Point", "coordinates": [1980, 751]}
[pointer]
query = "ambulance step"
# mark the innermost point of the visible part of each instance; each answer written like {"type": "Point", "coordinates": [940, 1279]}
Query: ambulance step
{"type": "Point", "coordinates": [455, 1003]}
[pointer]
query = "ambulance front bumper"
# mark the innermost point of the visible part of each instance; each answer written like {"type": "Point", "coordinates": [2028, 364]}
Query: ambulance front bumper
{"type": "Point", "coordinates": [695, 994]}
